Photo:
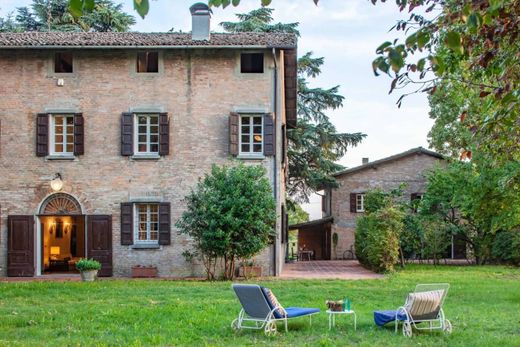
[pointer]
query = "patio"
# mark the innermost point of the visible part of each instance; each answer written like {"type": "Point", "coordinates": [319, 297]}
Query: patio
{"type": "Point", "coordinates": [327, 269]}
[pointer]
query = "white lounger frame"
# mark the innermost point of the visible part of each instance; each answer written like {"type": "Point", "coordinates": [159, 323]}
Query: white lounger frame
{"type": "Point", "coordinates": [268, 323]}
{"type": "Point", "coordinates": [438, 323]}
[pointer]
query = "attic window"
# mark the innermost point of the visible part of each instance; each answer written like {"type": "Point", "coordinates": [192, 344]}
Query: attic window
{"type": "Point", "coordinates": [148, 62]}
{"type": "Point", "coordinates": [252, 63]}
{"type": "Point", "coordinates": [63, 62]}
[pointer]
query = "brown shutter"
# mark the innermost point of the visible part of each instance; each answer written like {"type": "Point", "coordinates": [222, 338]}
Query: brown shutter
{"type": "Point", "coordinates": [353, 202]}
{"type": "Point", "coordinates": [127, 134]}
{"type": "Point", "coordinates": [42, 134]}
{"type": "Point", "coordinates": [79, 135]}
{"type": "Point", "coordinates": [164, 223]}
{"type": "Point", "coordinates": [164, 134]}
{"type": "Point", "coordinates": [233, 133]}
{"type": "Point", "coordinates": [127, 223]}
{"type": "Point", "coordinates": [99, 242]}
{"type": "Point", "coordinates": [269, 141]}
{"type": "Point", "coordinates": [413, 196]}
{"type": "Point", "coordinates": [20, 246]}
{"type": "Point", "coordinates": [290, 58]}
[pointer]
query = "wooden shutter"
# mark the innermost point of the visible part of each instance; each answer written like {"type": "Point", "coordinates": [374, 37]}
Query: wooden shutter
{"type": "Point", "coordinates": [127, 223]}
{"type": "Point", "coordinates": [127, 134]}
{"type": "Point", "coordinates": [353, 202]}
{"type": "Point", "coordinates": [99, 242]}
{"type": "Point", "coordinates": [269, 140]}
{"type": "Point", "coordinates": [233, 133]}
{"type": "Point", "coordinates": [164, 223]}
{"type": "Point", "coordinates": [290, 58]}
{"type": "Point", "coordinates": [164, 134]}
{"type": "Point", "coordinates": [79, 135]}
{"type": "Point", "coordinates": [20, 246]}
{"type": "Point", "coordinates": [42, 134]}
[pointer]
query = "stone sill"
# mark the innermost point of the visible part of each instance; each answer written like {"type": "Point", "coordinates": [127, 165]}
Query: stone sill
{"type": "Point", "coordinates": [60, 157]}
{"type": "Point", "coordinates": [250, 157]}
{"type": "Point", "coordinates": [145, 157]}
{"type": "Point", "coordinates": [145, 246]}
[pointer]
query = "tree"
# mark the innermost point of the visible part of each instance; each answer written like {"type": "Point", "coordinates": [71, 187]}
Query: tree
{"type": "Point", "coordinates": [297, 214]}
{"type": "Point", "coordinates": [471, 46]}
{"type": "Point", "coordinates": [314, 146]}
{"type": "Point", "coordinates": [54, 15]}
{"type": "Point", "coordinates": [474, 202]}
{"type": "Point", "coordinates": [8, 24]}
{"type": "Point", "coordinates": [230, 215]}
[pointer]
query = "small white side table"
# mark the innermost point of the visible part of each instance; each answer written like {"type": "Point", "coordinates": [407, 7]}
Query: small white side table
{"type": "Point", "coordinates": [332, 317]}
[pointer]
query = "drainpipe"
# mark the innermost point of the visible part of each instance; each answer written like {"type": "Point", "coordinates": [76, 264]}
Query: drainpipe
{"type": "Point", "coordinates": [275, 175]}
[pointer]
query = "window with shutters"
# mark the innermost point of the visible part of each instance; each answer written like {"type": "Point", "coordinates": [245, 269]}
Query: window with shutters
{"type": "Point", "coordinates": [251, 135]}
{"type": "Point", "coordinates": [61, 139]}
{"type": "Point", "coordinates": [146, 225]}
{"type": "Point", "coordinates": [147, 62]}
{"type": "Point", "coordinates": [360, 202]}
{"type": "Point", "coordinates": [146, 134]}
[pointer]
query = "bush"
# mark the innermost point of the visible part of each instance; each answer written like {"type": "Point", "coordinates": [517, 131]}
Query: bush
{"type": "Point", "coordinates": [412, 237]}
{"type": "Point", "coordinates": [506, 247]}
{"type": "Point", "coordinates": [88, 265]}
{"type": "Point", "coordinates": [230, 215]}
{"type": "Point", "coordinates": [377, 238]}
{"type": "Point", "coordinates": [437, 239]}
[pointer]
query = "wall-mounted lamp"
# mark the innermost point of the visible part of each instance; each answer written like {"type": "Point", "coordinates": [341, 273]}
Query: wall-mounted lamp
{"type": "Point", "coordinates": [57, 183]}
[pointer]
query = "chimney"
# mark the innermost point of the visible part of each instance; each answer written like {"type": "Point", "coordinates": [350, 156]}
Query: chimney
{"type": "Point", "coordinates": [364, 161]}
{"type": "Point", "coordinates": [200, 15]}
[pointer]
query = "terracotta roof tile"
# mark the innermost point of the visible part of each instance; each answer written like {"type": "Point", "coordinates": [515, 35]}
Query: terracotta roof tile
{"type": "Point", "coordinates": [134, 40]}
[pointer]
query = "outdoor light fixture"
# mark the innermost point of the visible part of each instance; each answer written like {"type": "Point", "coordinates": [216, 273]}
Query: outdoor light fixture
{"type": "Point", "coordinates": [57, 183]}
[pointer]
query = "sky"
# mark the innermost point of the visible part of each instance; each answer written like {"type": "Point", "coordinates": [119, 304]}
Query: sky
{"type": "Point", "coordinates": [344, 32]}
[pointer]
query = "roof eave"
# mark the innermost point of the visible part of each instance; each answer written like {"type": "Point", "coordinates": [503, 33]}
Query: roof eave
{"type": "Point", "coordinates": [151, 47]}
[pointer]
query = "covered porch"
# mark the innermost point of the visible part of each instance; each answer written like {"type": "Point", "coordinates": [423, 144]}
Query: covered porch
{"type": "Point", "coordinates": [310, 240]}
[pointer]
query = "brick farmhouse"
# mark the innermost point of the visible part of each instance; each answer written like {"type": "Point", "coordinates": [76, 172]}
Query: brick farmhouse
{"type": "Point", "coordinates": [102, 135]}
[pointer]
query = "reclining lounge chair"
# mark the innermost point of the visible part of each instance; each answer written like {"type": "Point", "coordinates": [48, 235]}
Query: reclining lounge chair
{"type": "Point", "coordinates": [424, 305]}
{"type": "Point", "coordinates": [261, 310]}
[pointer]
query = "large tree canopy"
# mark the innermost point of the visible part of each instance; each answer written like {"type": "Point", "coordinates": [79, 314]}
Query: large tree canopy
{"type": "Point", "coordinates": [54, 15]}
{"type": "Point", "coordinates": [315, 145]}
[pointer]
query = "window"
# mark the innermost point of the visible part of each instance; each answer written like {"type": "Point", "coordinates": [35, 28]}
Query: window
{"type": "Point", "coordinates": [62, 135]}
{"type": "Point", "coordinates": [251, 139]}
{"type": "Point", "coordinates": [63, 62]}
{"type": "Point", "coordinates": [360, 202]}
{"type": "Point", "coordinates": [147, 223]}
{"type": "Point", "coordinates": [147, 134]}
{"type": "Point", "coordinates": [252, 63]}
{"type": "Point", "coordinates": [148, 62]}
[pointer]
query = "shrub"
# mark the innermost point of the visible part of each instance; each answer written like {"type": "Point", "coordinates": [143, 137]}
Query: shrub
{"type": "Point", "coordinates": [506, 247]}
{"type": "Point", "coordinates": [436, 239]}
{"type": "Point", "coordinates": [412, 237]}
{"type": "Point", "coordinates": [88, 265]}
{"type": "Point", "coordinates": [377, 238]}
{"type": "Point", "coordinates": [230, 215]}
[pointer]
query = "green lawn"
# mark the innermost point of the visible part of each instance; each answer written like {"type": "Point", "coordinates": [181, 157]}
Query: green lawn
{"type": "Point", "coordinates": [483, 305]}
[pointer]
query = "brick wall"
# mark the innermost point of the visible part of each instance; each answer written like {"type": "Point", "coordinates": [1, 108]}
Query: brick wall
{"type": "Point", "coordinates": [387, 176]}
{"type": "Point", "coordinates": [198, 89]}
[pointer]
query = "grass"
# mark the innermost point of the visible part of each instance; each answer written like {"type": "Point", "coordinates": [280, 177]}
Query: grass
{"type": "Point", "coordinates": [483, 305]}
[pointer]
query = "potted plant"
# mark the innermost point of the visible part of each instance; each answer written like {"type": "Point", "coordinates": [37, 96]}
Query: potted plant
{"type": "Point", "coordinates": [249, 269]}
{"type": "Point", "coordinates": [88, 269]}
{"type": "Point", "coordinates": [141, 271]}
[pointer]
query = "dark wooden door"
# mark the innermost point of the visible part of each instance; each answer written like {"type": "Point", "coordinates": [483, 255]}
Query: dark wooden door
{"type": "Point", "coordinates": [20, 246]}
{"type": "Point", "coordinates": [99, 242]}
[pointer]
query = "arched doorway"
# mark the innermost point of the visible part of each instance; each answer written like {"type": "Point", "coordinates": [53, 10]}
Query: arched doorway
{"type": "Point", "coordinates": [62, 234]}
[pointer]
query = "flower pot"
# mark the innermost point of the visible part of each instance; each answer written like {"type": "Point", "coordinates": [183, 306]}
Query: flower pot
{"type": "Point", "coordinates": [144, 271]}
{"type": "Point", "coordinates": [251, 271]}
{"type": "Point", "coordinates": [89, 275]}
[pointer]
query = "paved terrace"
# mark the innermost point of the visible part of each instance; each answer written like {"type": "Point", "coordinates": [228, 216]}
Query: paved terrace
{"type": "Point", "coordinates": [328, 269]}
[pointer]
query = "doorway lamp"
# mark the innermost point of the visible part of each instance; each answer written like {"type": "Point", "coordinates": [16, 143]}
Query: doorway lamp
{"type": "Point", "coordinates": [57, 183]}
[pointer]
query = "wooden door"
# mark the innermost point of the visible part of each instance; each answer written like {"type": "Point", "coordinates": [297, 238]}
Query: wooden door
{"type": "Point", "coordinates": [99, 242]}
{"type": "Point", "coordinates": [20, 246]}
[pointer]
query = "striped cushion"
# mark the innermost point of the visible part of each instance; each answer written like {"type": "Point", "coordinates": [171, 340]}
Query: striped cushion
{"type": "Point", "coordinates": [424, 303]}
{"type": "Point", "coordinates": [273, 302]}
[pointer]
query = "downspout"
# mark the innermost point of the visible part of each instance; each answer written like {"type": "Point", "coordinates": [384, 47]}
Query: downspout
{"type": "Point", "coordinates": [275, 175]}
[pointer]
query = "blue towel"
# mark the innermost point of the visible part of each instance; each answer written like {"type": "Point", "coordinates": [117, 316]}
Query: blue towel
{"type": "Point", "coordinates": [383, 317]}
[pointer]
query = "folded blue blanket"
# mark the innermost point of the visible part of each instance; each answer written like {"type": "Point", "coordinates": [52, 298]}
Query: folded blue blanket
{"type": "Point", "coordinates": [383, 317]}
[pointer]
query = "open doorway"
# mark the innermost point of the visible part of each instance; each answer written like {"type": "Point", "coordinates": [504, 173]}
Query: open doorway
{"type": "Point", "coordinates": [63, 243]}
